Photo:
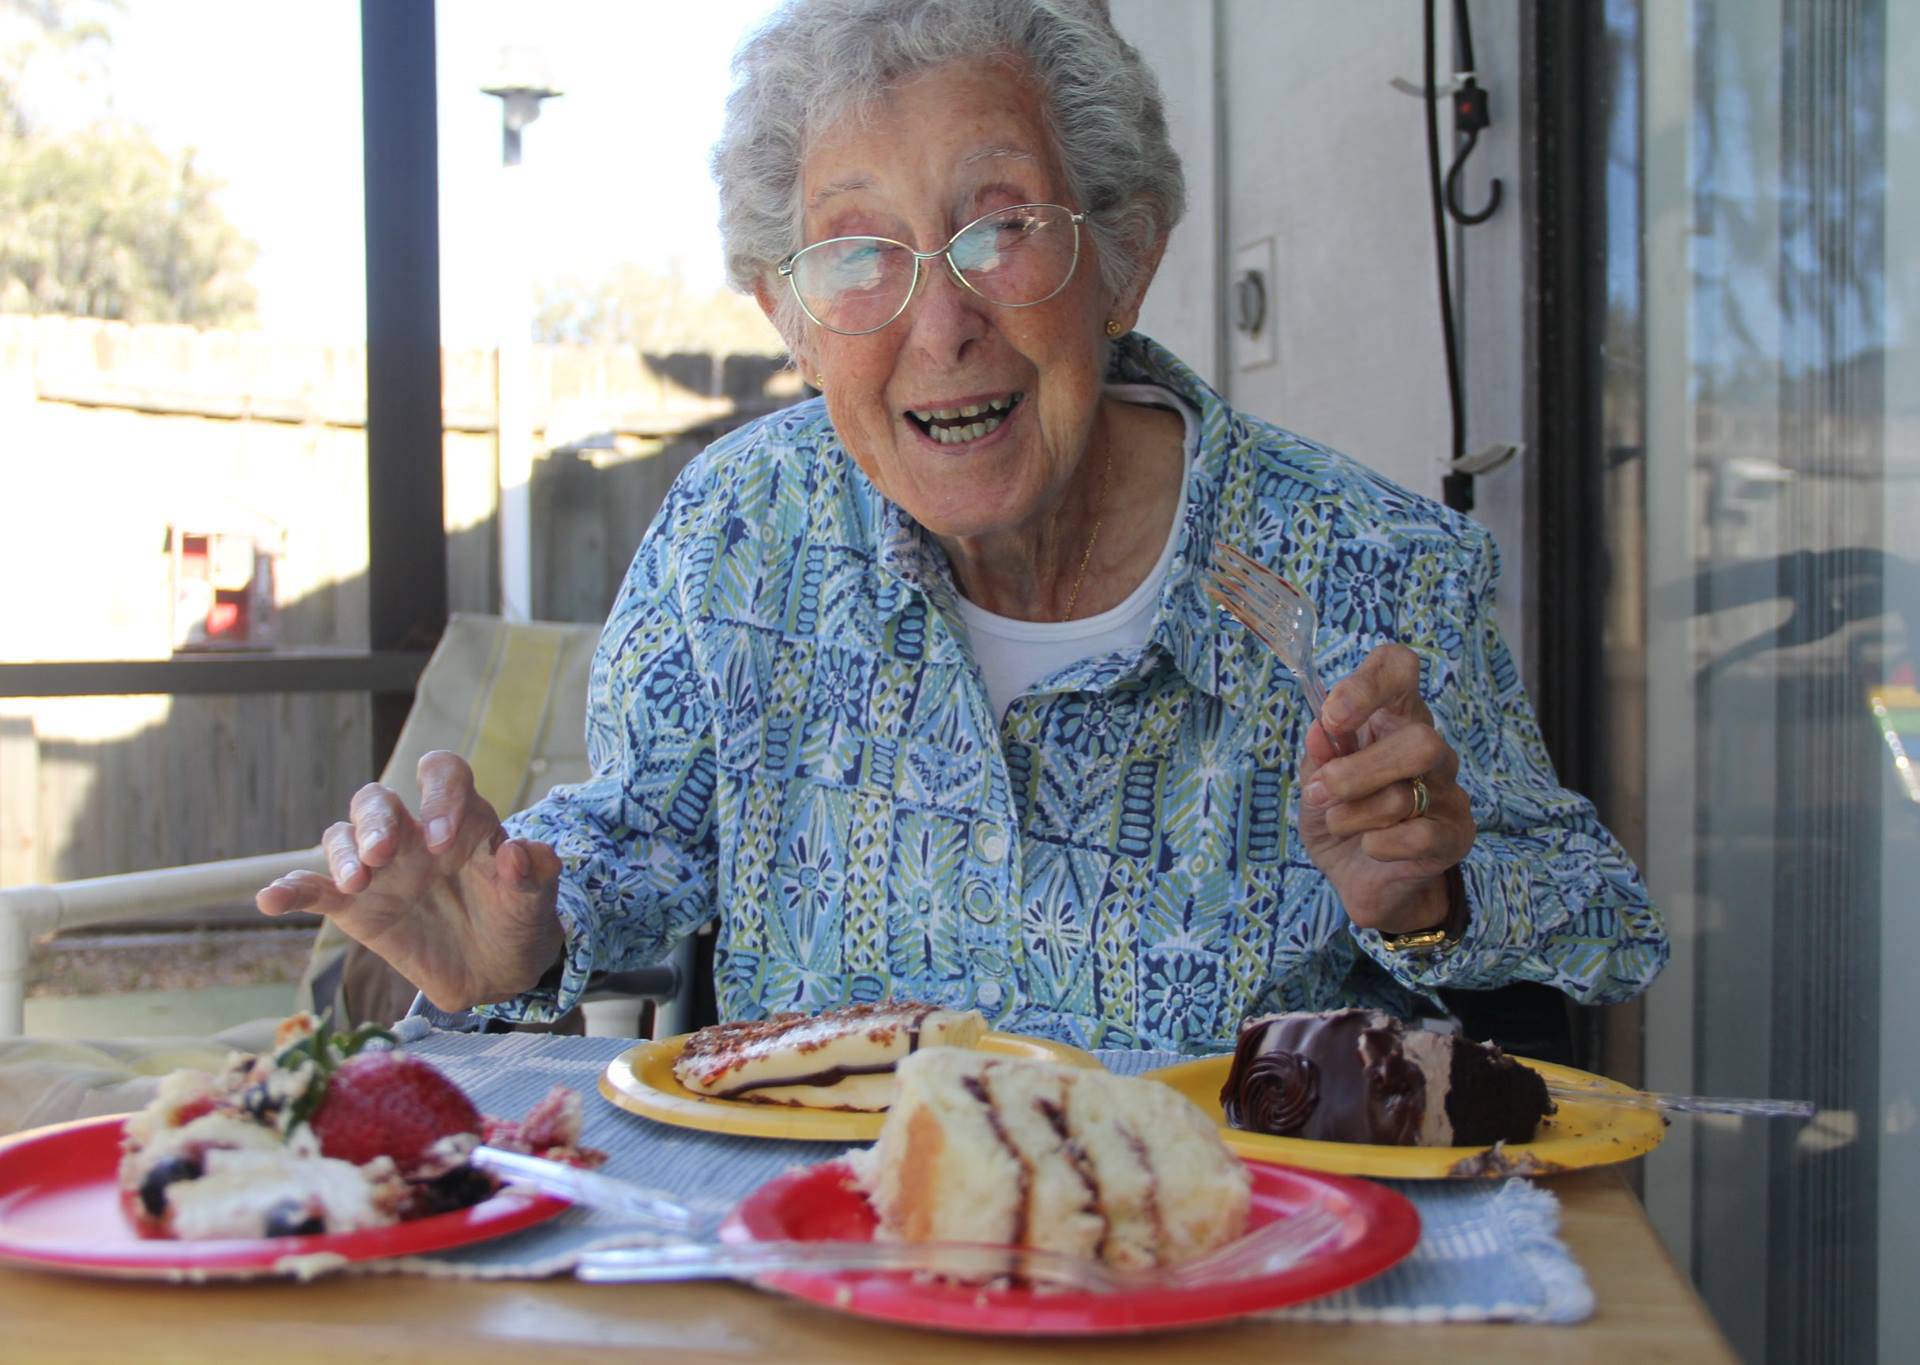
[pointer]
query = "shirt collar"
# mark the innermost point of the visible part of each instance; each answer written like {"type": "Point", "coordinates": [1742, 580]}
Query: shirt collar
{"type": "Point", "coordinates": [1215, 655]}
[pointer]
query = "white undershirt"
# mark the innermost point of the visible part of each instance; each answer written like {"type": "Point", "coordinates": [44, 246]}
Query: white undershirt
{"type": "Point", "coordinates": [1014, 655]}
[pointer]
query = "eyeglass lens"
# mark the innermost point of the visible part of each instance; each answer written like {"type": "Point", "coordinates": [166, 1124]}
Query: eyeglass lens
{"type": "Point", "coordinates": [1018, 256]}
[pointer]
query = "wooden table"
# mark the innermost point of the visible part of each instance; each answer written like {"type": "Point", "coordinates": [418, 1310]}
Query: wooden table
{"type": "Point", "coordinates": [1647, 1313]}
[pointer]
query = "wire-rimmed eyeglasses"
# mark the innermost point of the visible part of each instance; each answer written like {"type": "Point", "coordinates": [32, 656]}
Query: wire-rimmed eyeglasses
{"type": "Point", "coordinates": [1014, 257]}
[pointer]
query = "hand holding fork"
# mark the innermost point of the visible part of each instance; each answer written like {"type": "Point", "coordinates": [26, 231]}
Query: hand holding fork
{"type": "Point", "coordinates": [1380, 812]}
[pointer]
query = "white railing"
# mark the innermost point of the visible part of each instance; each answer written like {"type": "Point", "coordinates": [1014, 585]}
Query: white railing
{"type": "Point", "coordinates": [29, 912]}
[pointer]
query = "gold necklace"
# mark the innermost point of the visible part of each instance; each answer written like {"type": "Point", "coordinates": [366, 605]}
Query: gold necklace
{"type": "Point", "coordinates": [1086, 557]}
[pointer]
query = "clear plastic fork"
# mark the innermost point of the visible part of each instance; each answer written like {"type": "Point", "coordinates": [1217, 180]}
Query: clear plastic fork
{"type": "Point", "coordinates": [594, 1190]}
{"type": "Point", "coordinates": [1278, 613]}
{"type": "Point", "coordinates": [1681, 1104]}
{"type": "Point", "coordinates": [1266, 1251]}
{"type": "Point", "coordinates": [751, 1260]}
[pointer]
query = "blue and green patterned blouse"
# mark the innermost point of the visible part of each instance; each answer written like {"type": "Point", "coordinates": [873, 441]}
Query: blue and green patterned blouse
{"type": "Point", "coordinates": [789, 735]}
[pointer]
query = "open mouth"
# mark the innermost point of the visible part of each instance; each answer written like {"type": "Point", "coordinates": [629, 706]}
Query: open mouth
{"type": "Point", "coordinates": [955, 426]}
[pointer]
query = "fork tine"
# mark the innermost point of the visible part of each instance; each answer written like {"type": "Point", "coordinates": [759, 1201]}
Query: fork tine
{"type": "Point", "coordinates": [1260, 596]}
{"type": "Point", "coordinates": [1272, 621]}
{"type": "Point", "coordinates": [1271, 1248]}
{"type": "Point", "coordinates": [1262, 590]}
{"type": "Point", "coordinates": [1244, 566]}
{"type": "Point", "coordinates": [1233, 553]}
{"type": "Point", "coordinates": [1236, 556]}
{"type": "Point", "coordinates": [1244, 611]}
{"type": "Point", "coordinates": [1251, 619]}
{"type": "Point", "coordinates": [1239, 562]}
{"type": "Point", "coordinates": [1279, 612]}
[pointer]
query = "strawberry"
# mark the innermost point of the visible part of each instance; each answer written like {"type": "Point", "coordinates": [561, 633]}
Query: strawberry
{"type": "Point", "coordinates": [193, 1109]}
{"type": "Point", "coordinates": [389, 1104]}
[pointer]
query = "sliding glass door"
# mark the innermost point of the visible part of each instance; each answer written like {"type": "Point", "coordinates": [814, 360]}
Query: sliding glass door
{"type": "Point", "coordinates": [1761, 393]}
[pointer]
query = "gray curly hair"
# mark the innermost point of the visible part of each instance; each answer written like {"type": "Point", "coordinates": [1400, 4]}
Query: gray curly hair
{"type": "Point", "coordinates": [817, 61]}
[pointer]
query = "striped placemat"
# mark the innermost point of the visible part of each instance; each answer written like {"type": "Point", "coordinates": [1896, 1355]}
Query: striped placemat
{"type": "Point", "coordinates": [1488, 1251]}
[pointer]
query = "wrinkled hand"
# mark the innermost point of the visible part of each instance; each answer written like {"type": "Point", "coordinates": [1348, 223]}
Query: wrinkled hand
{"type": "Point", "coordinates": [1357, 799]}
{"type": "Point", "coordinates": [459, 909]}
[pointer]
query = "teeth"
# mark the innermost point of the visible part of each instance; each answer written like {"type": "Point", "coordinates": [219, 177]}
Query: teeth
{"type": "Point", "coordinates": [970, 410]}
{"type": "Point", "coordinates": [953, 436]}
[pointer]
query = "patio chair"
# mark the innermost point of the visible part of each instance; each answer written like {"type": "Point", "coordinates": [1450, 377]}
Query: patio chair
{"type": "Point", "coordinates": [510, 697]}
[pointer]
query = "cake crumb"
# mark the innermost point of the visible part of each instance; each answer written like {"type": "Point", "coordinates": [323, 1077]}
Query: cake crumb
{"type": "Point", "coordinates": [311, 1266]}
{"type": "Point", "coordinates": [1496, 1161]}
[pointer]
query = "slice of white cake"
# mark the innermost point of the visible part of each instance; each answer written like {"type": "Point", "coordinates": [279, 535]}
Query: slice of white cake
{"type": "Point", "coordinates": [979, 1148]}
{"type": "Point", "coordinates": [842, 1059]}
{"type": "Point", "coordinates": [281, 1194]}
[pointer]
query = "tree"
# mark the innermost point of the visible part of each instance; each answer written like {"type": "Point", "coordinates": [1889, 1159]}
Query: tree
{"type": "Point", "coordinates": [98, 221]}
{"type": "Point", "coordinates": [658, 313]}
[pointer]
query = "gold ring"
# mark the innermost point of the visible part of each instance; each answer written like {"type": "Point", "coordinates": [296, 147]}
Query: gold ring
{"type": "Point", "coordinates": [1420, 798]}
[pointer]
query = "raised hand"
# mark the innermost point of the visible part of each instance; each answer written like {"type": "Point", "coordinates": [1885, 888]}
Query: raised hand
{"type": "Point", "coordinates": [459, 909]}
{"type": "Point", "coordinates": [1360, 815]}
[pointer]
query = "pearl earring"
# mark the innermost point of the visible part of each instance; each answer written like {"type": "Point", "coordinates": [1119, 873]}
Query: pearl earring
{"type": "Point", "coordinates": [1113, 327]}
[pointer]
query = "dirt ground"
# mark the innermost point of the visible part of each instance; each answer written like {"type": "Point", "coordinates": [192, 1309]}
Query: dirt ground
{"type": "Point", "coordinates": [98, 964]}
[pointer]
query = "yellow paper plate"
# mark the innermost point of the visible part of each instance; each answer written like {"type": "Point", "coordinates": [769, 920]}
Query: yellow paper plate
{"type": "Point", "coordinates": [1580, 1134]}
{"type": "Point", "coordinates": [641, 1081]}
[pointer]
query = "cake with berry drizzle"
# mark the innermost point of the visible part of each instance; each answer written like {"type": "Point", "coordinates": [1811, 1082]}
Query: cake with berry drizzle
{"type": "Point", "coordinates": [321, 1134]}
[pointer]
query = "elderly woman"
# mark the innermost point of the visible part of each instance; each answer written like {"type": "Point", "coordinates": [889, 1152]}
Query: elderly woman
{"type": "Point", "coordinates": [917, 689]}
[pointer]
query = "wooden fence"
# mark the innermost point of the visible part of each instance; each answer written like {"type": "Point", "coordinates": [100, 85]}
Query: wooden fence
{"type": "Point", "coordinates": [112, 437]}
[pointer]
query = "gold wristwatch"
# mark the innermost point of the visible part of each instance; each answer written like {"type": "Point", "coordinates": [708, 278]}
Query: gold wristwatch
{"type": "Point", "coordinates": [1419, 940]}
{"type": "Point", "coordinates": [1443, 935]}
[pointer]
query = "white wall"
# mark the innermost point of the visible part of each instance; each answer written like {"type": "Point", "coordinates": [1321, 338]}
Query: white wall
{"type": "Point", "coordinates": [1177, 39]}
{"type": "Point", "coordinates": [1328, 161]}
{"type": "Point", "coordinates": [1320, 155]}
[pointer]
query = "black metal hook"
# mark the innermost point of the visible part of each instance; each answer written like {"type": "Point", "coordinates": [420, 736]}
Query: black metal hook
{"type": "Point", "coordinates": [1470, 115]}
{"type": "Point", "coordinates": [1453, 188]}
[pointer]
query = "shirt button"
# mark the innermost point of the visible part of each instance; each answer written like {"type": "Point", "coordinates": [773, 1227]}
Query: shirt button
{"type": "Point", "coordinates": [991, 840]}
{"type": "Point", "coordinates": [989, 994]}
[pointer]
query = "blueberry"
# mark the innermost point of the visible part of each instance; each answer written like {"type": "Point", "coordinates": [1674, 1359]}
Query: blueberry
{"type": "Point", "coordinates": [153, 1190]}
{"type": "Point", "coordinates": [259, 1102]}
{"type": "Point", "coordinates": [290, 1218]}
{"type": "Point", "coordinates": [460, 1188]}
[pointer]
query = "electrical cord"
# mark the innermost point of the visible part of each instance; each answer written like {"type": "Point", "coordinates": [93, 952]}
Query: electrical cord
{"type": "Point", "coordinates": [1456, 488]}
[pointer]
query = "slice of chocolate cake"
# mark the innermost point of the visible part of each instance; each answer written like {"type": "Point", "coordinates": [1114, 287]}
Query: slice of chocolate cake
{"type": "Point", "coordinates": [1363, 1076]}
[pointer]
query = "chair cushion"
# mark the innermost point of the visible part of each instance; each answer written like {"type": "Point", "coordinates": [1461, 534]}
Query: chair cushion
{"type": "Point", "coordinates": [54, 1080]}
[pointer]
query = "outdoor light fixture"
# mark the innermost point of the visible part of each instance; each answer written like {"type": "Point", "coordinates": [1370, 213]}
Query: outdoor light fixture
{"type": "Point", "coordinates": [520, 82]}
{"type": "Point", "coordinates": [520, 88]}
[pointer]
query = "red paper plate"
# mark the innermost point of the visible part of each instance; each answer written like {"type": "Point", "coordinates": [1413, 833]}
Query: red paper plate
{"type": "Point", "coordinates": [60, 1210]}
{"type": "Point", "coordinates": [1378, 1228]}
